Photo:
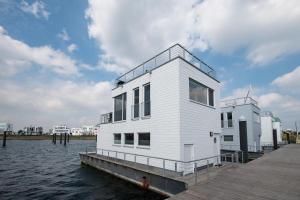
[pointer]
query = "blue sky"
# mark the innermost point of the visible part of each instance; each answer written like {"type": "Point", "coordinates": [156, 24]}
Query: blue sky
{"type": "Point", "coordinates": [59, 58]}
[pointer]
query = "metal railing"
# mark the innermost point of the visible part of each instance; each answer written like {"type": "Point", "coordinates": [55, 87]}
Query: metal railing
{"type": "Point", "coordinates": [175, 51]}
{"type": "Point", "coordinates": [106, 118]}
{"type": "Point", "coordinates": [232, 147]}
{"type": "Point", "coordinates": [238, 101]}
{"type": "Point", "coordinates": [169, 165]}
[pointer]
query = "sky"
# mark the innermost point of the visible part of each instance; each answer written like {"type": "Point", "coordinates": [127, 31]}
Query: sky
{"type": "Point", "coordinates": [59, 58]}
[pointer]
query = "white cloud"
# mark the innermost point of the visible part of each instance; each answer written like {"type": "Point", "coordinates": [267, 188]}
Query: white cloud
{"type": "Point", "coordinates": [289, 82]}
{"type": "Point", "coordinates": [37, 8]}
{"type": "Point", "coordinates": [17, 56]}
{"type": "Point", "coordinates": [128, 32]}
{"type": "Point", "coordinates": [64, 35]}
{"type": "Point", "coordinates": [46, 104]}
{"type": "Point", "coordinates": [72, 47]}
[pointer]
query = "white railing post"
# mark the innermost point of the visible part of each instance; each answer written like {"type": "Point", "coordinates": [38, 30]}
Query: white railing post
{"type": "Point", "coordinates": [195, 172]}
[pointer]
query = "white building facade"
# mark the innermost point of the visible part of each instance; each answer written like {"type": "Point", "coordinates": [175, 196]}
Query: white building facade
{"type": "Point", "coordinates": [234, 110]}
{"type": "Point", "coordinates": [76, 131]}
{"type": "Point", "coordinates": [170, 111]}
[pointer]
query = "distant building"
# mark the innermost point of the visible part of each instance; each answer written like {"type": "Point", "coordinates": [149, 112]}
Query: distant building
{"type": "Point", "coordinates": [231, 113]}
{"type": "Point", "coordinates": [76, 131]}
{"type": "Point", "coordinates": [4, 126]}
{"type": "Point", "coordinates": [87, 130]}
{"type": "Point", "coordinates": [268, 124]}
{"type": "Point", "coordinates": [33, 130]}
{"type": "Point", "coordinates": [60, 129]}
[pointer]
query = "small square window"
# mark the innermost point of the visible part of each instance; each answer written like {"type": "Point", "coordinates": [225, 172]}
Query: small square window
{"type": "Point", "coordinates": [129, 138]}
{"type": "Point", "coordinates": [117, 138]}
{"type": "Point", "coordinates": [144, 139]}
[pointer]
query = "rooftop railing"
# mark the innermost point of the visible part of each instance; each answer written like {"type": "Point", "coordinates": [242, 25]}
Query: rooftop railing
{"type": "Point", "coordinates": [238, 101]}
{"type": "Point", "coordinates": [176, 51]}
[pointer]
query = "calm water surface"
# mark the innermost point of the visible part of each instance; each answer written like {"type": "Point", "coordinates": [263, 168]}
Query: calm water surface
{"type": "Point", "coordinates": [41, 170]}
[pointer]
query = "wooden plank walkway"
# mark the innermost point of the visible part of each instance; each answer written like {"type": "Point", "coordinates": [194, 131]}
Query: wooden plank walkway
{"type": "Point", "coordinates": [276, 175]}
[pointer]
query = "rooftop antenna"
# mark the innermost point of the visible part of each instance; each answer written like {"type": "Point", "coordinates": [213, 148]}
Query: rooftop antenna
{"type": "Point", "coordinates": [247, 95]}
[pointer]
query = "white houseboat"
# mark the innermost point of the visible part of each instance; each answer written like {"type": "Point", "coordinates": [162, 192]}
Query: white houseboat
{"type": "Point", "coordinates": [232, 112]}
{"type": "Point", "coordinates": [271, 129]}
{"type": "Point", "coordinates": [61, 129]}
{"type": "Point", "coordinates": [166, 108]}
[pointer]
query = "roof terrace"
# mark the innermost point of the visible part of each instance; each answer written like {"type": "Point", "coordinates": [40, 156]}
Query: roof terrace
{"type": "Point", "coordinates": [238, 101]}
{"type": "Point", "coordinates": [175, 51]}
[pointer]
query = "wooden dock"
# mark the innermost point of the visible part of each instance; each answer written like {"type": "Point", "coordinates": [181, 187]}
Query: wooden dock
{"type": "Point", "coordinates": [275, 175]}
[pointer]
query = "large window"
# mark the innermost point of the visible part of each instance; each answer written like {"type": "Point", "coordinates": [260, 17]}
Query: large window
{"type": "Point", "coordinates": [129, 138]}
{"type": "Point", "coordinates": [144, 139]}
{"type": "Point", "coordinates": [147, 105]}
{"type": "Point", "coordinates": [228, 138]}
{"type": "Point", "coordinates": [229, 120]}
{"type": "Point", "coordinates": [120, 107]}
{"type": "Point", "coordinates": [201, 93]}
{"type": "Point", "coordinates": [117, 138]}
{"type": "Point", "coordinates": [136, 101]}
{"type": "Point", "coordinates": [222, 120]}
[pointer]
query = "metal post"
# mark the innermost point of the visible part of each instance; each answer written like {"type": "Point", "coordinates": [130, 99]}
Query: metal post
{"type": "Point", "coordinates": [175, 166]}
{"type": "Point", "coordinates": [54, 138]}
{"type": "Point", "coordinates": [242, 157]}
{"type": "Point", "coordinates": [195, 172]}
{"type": "Point", "coordinates": [4, 139]}
{"type": "Point", "coordinates": [108, 153]}
{"type": "Point", "coordinates": [116, 154]}
{"type": "Point", "coordinates": [232, 158]}
{"type": "Point", "coordinates": [60, 139]}
{"type": "Point", "coordinates": [86, 152]}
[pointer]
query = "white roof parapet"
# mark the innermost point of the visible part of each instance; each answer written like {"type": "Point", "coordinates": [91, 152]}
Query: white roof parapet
{"type": "Point", "coordinates": [238, 101]}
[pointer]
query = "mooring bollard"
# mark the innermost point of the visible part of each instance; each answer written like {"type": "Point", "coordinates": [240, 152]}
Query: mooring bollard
{"type": "Point", "coordinates": [4, 139]}
{"type": "Point", "coordinates": [60, 138]}
{"type": "Point", "coordinates": [65, 139]}
{"type": "Point", "coordinates": [55, 138]}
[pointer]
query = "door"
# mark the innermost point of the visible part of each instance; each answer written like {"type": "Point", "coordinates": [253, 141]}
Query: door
{"type": "Point", "coordinates": [188, 156]}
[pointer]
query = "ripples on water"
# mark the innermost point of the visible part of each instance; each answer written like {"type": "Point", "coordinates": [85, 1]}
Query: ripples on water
{"type": "Point", "coordinates": [41, 170]}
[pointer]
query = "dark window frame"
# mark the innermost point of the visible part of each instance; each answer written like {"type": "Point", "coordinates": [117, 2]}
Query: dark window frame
{"type": "Point", "coordinates": [123, 102]}
{"type": "Point", "coordinates": [117, 134]}
{"type": "Point", "coordinates": [144, 143]}
{"type": "Point", "coordinates": [227, 138]}
{"type": "Point", "coordinates": [209, 94]}
{"type": "Point", "coordinates": [126, 138]}
{"type": "Point", "coordinates": [147, 100]}
{"type": "Point", "coordinates": [136, 102]}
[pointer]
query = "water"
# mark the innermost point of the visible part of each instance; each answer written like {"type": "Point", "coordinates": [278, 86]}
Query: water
{"type": "Point", "coordinates": [41, 170]}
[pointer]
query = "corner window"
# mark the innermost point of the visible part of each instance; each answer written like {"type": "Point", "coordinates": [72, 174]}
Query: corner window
{"type": "Point", "coordinates": [201, 93]}
{"type": "Point", "coordinates": [117, 138]}
{"type": "Point", "coordinates": [229, 120]}
{"type": "Point", "coordinates": [147, 103]}
{"type": "Point", "coordinates": [120, 107]}
{"type": "Point", "coordinates": [129, 138]}
{"type": "Point", "coordinates": [228, 138]}
{"type": "Point", "coordinates": [144, 139]}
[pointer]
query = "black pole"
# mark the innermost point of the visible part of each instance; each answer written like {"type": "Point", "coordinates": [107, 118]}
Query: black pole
{"type": "Point", "coordinates": [60, 138]}
{"type": "Point", "coordinates": [54, 138]}
{"type": "Point", "coordinates": [4, 139]}
{"type": "Point", "coordinates": [65, 140]}
{"type": "Point", "coordinates": [68, 138]}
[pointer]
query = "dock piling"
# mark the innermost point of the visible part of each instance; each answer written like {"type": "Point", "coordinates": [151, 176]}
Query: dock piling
{"type": "Point", "coordinates": [65, 139]}
{"type": "Point", "coordinates": [60, 138]}
{"type": "Point", "coordinates": [54, 138]}
{"type": "Point", "coordinates": [4, 139]}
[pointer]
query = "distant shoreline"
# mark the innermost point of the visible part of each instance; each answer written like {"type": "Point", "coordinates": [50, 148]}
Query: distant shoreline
{"type": "Point", "coordinates": [47, 137]}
